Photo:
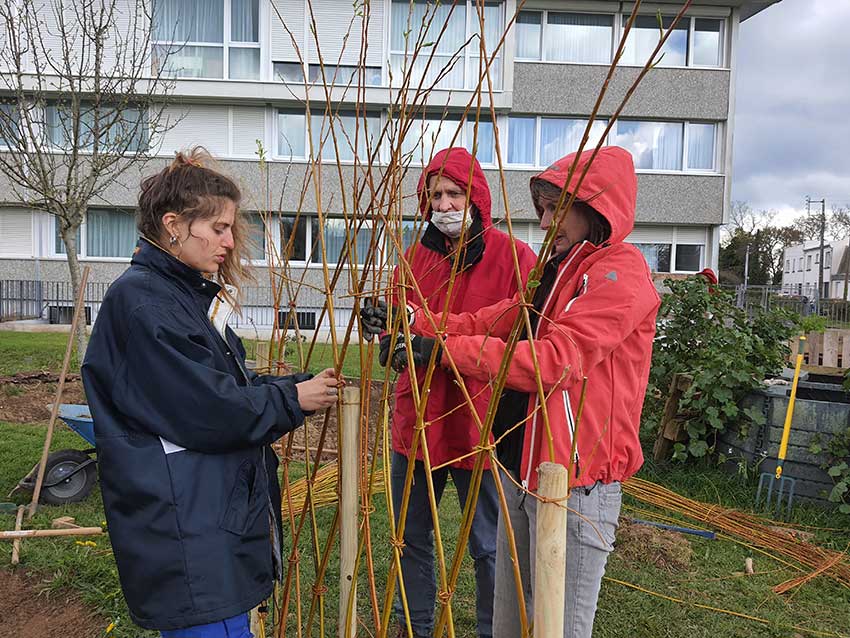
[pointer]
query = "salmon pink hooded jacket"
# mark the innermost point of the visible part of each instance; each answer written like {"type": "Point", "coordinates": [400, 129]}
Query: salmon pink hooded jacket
{"type": "Point", "coordinates": [598, 321]}
{"type": "Point", "coordinates": [489, 277]}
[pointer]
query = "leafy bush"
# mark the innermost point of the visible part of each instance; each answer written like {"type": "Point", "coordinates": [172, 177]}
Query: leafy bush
{"type": "Point", "coordinates": [702, 333]}
{"type": "Point", "coordinates": [837, 465]}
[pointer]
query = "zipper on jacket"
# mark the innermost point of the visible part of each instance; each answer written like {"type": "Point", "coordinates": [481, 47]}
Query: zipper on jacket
{"type": "Point", "coordinates": [527, 479]}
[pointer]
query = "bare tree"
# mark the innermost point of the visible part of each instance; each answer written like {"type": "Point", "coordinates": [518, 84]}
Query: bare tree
{"type": "Point", "coordinates": [742, 217]}
{"type": "Point", "coordinates": [79, 104]}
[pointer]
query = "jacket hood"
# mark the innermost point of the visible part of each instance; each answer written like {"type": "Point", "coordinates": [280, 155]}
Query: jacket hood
{"type": "Point", "coordinates": [453, 163]}
{"type": "Point", "coordinates": [610, 186]}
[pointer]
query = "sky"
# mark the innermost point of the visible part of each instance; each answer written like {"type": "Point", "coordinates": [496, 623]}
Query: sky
{"type": "Point", "coordinates": [792, 118]}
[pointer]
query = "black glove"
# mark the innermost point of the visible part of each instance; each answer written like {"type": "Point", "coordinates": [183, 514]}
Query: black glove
{"type": "Point", "coordinates": [373, 318]}
{"type": "Point", "coordinates": [420, 346]}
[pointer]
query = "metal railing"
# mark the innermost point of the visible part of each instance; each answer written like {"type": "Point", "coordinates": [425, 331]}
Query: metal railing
{"type": "Point", "coordinates": [54, 301]}
{"type": "Point", "coordinates": [754, 298]}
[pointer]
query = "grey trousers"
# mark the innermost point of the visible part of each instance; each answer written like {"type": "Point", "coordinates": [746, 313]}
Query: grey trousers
{"type": "Point", "coordinates": [587, 553]}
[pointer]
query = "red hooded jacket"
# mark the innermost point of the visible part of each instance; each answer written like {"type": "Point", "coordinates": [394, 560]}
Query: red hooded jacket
{"type": "Point", "coordinates": [598, 320]}
{"type": "Point", "coordinates": [451, 431]}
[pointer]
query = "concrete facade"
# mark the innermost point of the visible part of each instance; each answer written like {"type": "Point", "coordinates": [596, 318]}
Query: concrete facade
{"type": "Point", "coordinates": [677, 208]}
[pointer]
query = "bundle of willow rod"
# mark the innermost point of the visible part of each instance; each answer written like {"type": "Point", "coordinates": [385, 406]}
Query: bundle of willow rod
{"type": "Point", "coordinates": [324, 488]}
{"type": "Point", "coordinates": [757, 532]}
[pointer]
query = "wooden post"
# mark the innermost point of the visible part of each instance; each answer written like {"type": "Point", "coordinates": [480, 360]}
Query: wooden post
{"type": "Point", "coordinates": [551, 552]}
{"type": "Point", "coordinates": [349, 464]}
{"type": "Point", "coordinates": [43, 533]}
{"type": "Point", "coordinates": [670, 430]}
{"type": "Point", "coordinates": [36, 493]}
{"type": "Point", "coordinates": [16, 545]}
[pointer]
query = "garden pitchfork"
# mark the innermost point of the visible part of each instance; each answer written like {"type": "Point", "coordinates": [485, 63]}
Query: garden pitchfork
{"type": "Point", "coordinates": [780, 489]}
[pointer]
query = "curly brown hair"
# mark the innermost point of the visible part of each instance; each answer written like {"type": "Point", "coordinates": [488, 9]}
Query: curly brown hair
{"type": "Point", "coordinates": [193, 188]}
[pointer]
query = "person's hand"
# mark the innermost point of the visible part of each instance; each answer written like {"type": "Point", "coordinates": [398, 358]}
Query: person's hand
{"type": "Point", "coordinates": [373, 318]}
{"type": "Point", "coordinates": [320, 392]}
{"type": "Point", "coordinates": [421, 347]}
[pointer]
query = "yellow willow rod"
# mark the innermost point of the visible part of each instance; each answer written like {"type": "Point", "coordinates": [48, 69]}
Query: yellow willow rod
{"type": "Point", "coordinates": [512, 341]}
{"type": "Point", "coordinates": [728, 612]}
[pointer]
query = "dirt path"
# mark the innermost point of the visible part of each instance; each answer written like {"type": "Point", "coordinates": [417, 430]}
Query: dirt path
{"type": "Point", "coordinates": [29, 610]}
{"type": "Point", "coordinates": [24, 400]}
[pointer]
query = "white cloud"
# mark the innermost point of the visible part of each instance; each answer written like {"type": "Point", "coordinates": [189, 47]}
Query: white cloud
{"type": "Point", "coordinates": [792, 129]}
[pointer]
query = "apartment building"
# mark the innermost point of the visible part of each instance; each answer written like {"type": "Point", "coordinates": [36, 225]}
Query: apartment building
{"type": "Point", "coordinates": [801, 269]}
{"type": "Point", "coordinates": [241, 84]}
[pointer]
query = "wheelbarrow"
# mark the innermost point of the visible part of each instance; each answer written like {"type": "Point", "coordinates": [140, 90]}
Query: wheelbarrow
{"type": "Point", "coordinates": [69, 475]}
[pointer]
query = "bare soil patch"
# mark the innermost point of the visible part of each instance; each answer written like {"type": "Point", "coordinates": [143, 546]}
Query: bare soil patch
{"type": "Point", "coordinates": [29, 610]}
{"type": "Point", "coordinates": [644, 544]}
{"type": "Point", "coordinates": [24, 397]}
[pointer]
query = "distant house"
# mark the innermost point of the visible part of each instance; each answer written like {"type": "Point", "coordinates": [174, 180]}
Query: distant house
{"type": "Point", "coordinates": [801, 269]}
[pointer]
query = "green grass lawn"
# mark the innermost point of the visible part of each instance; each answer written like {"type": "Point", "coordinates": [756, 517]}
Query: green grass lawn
{"type": "Point", "coordinates": [713, 578]}
{"type": "Point", "coordinates": [34, 351]}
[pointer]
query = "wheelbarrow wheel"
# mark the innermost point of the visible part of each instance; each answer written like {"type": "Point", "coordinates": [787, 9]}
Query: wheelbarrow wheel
{"type": "Point", "coordinates": [61, 483]}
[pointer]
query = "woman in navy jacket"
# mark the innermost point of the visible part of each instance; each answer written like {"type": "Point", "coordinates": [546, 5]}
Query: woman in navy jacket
{"type": "Point", "coordinates": [182, 427]}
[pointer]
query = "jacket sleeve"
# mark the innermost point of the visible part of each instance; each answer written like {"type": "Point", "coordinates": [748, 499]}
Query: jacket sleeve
{"type": "Point", "coordinates": [617, 297]}
{"type": "Point", "coordinates": [169, 383]}
{"type": "Point", "coordinates": [496, 320]}
{"type": "Point", "coordinates": [260, 379]}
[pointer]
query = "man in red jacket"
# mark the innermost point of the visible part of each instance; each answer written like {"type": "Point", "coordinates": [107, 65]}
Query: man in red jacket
{"type": "Point", "coordinates": [486, 273]}
{"type": "Point", "coordinates": [598, 306]}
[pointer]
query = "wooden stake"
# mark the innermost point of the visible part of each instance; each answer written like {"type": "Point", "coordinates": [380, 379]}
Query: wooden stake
{"type": "Point", "coordinates": [42, 533]}
{"type": "Point", "coordinates": [551, 552]}
{"type": "Point", "coordinates": [349, 464]}
{"type": "Point", "coordinates": [16, 546]}
{"type": "Point", "coordinates": [48, 439]}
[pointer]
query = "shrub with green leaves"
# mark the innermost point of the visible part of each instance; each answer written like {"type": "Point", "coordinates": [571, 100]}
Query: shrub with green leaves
{"type": "Point", "coordinates": [837, 465]}
{"type": "Point", "coordinates": [702, 333]}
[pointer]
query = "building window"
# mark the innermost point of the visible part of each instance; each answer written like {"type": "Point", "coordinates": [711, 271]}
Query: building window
{"type": "Point", "coordinates": [344, 75]}
{"type": "Point", "coordinates": [294, 238]}
{"type": "Point", "coordinates": [118, 129]}
{"type": "Point", "coordinates": [192, 39]}
{"type": "Point", "coordinates": [682, 257]}
{"type": "Point", "coordinates": [644, 37]}
{"type": "Point", "coordinates": [808, 262]}
{"type": "Point", "coordinates": [579, 38]}
{"type": "Point", "coordinates": [10, 125]}
{"type": "Point", "coordinates": [707, 42]}
{"type": "Point", "coordinates": [529, 29]}
{"type": "Point", "coordinates": [257, 234]}
{"type": "Point", "coordinates": [291, 134]}
{"type": "Point", "coordinates": [335, 237]}
{"type": "Point", "coordinates": [653, 145]}
{"type": "Point", "coordinates": [656, 255]}
{"type": "Point", "coordinates": [108, 232]}
{"type": "Point", "coordinates": [427, 135]}
{"type": "Point", "coordinates": [787, 265]}
{"type": "Point", "coordinates": [453, 28]}
{"type": "Point", "coordinates": [344, 127]}
{"type": "Point", "coordinates": [688, 257]}
{"type": "Point", "coordinates": [557, 137]}
{"type": "Point", "coordinates": [827, 259]}
{"type": "Point", "coordinates": [288, 72]}
{"type": "Point", "coordinates": [701, 138]}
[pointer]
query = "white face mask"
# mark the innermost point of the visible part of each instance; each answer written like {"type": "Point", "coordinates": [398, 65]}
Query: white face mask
{"type": "Point", "coordinates": [451, 223]}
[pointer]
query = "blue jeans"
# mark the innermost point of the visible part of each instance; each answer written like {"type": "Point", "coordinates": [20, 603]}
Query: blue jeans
{"type": "Point", "coordinates": [417, 559]}
{"type": "Point", "coordinates": [236, 627]}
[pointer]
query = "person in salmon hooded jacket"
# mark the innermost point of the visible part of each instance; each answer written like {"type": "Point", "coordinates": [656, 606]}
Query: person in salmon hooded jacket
{"type": "Point", "coordinates": [594, 316]}
{"type": "Point", "coordinates": [485, 274]}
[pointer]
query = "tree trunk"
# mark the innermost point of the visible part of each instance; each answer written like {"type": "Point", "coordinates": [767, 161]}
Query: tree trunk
{"type": "Point", "coordinates": [69, 236]}
{"type": "Point", "coordinates": [845, 259]}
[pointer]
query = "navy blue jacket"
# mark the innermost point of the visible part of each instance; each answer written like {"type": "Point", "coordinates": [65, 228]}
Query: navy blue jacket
{"type": "Point", "coordinates": [183, 433]}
